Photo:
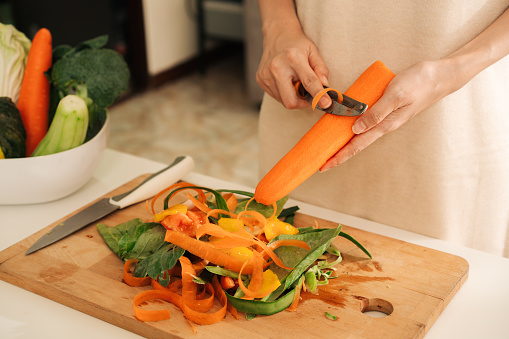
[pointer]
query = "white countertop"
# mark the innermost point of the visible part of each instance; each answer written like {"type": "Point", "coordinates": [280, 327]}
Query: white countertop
{"type": "Point", "coordinates": [479, 309]}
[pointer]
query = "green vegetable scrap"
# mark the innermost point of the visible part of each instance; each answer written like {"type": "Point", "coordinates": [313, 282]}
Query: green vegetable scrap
{"type": "Point", "coordinates": [143, 241]}
{"type": "Point", "coordinates": [330, 316]}
{"type": "Point", "coordinates": [294, 266]}
{"type": "Point", "coordinates": [12, 133]}
{"type": "Point", "coordinates": [96, 74]}
{"type": "Point", "coordinates": [14, 47]}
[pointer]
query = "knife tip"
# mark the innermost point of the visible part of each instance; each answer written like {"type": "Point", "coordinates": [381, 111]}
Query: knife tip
{"type": "Point", "coordinates": [31, 250]}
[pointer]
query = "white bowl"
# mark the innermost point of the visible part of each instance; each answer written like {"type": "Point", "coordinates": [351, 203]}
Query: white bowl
{"type": "Point", "coordinates": [51, 177]}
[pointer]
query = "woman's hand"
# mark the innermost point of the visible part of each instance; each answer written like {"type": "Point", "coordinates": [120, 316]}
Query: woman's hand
{"type": "Point", "coordinates": [289, 56]}
{"type": "Point", "coordinates": [423, 84]}
{"type": "Point", "coordinates": [409, 93]}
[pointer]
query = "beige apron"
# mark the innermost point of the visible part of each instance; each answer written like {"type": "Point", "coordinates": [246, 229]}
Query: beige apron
{"type": "Point", "coordinates": [445, 173]}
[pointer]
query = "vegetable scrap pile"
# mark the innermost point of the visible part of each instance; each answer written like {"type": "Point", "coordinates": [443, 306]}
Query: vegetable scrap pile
{"type": "Point", "coordinates": [60, 94]}
{"type": "Point", "coordinates": [224, 245]}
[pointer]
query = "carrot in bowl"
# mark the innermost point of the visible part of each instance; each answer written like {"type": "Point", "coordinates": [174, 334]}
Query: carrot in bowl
{"type": "Point", "coordinates": [33, 102]}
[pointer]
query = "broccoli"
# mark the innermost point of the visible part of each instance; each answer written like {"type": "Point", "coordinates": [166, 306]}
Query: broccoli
{"type": "Point", "coordinates": [98, 75]}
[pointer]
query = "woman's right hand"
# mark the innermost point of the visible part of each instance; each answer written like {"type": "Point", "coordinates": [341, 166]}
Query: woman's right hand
{"type": "Point", "coordinates": [289, 56]}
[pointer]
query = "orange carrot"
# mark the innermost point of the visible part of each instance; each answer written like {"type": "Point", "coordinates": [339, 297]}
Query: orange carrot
{"type": "Point", "coordinates": [296, 299]}
{"type": "Point", "coordinates": [322, 141]}
{"type": "Point", "coordinates": [204, 250]}
{"type": "Point", "coordinates": [200, 205]}
{"type": "Point", "coordinates": [132, 280]}
{"type": "Point", "coordinates": [231, 201]}
{"type": "Point", "coordinates": [195, 306]}
{"type": "Point", "coordinates": [201, 195]}
{"type": "Point", "coordinates": [289, 242]}
{"type": "Point", "coordinates": [227, 282]}
{"type": "Point", "coordinates": [154, 315]}
{"type": "Point", "coordinates": [233, 311]}
{"type": "Point", "coordinates": [254, 290]}
{"type": "Point", "coordinates": [239, 238]}
{"type": "Point", "coordinates": [193, 310]}
{"type": "Point", "coordinates": [257, 277]}
{"type": "Point", "coordinates": [33, 102]}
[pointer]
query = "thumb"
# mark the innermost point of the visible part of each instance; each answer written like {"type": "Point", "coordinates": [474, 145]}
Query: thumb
{"type": "Point", "coordinates": [373, 116]}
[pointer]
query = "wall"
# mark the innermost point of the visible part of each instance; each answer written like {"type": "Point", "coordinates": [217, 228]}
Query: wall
{"type": "Point", "coordinates": [170, 33]}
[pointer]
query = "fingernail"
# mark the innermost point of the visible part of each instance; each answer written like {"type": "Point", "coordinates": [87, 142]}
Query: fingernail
{"type": "Point", "coordinates": [325, 81]}
{"type": "Point", "coordinates": [358, 127]}
{"type": "Point", "coordinates": [325, 102]}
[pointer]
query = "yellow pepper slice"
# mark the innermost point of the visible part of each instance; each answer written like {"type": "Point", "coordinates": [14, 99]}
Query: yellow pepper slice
{"type": "Point", "coordinates": [241, 253]}
{"type": "Point", "coordinates": [275, 227]}
{"type": "Point", "coordinates": [179, 208]}
{"type": "Point", "coordinates": [270, 282]}
{"type": "Point", "coordinates": [230, 224]}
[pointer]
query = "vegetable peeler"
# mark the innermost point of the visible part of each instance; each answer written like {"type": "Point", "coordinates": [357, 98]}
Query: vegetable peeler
{"type": "Point", "coordinates": [341, 104]}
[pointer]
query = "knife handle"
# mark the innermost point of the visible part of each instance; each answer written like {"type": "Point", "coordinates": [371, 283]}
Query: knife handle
{"type": "Point", "coordinates": [156, 182]}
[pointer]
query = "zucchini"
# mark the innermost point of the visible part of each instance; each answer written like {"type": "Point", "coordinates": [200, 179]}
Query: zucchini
{"type": "Point", "coordinates": [68, 128]}
{"type": "Point", "coordinates": [12, 130]}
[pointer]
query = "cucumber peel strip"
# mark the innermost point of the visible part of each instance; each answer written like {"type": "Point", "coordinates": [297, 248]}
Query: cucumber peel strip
{"type": "Point", "coordinates": [265, 307]}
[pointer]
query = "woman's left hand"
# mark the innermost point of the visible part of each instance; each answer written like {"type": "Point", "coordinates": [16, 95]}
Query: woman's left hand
{"type": "Point", "coordinates": [409, 93]}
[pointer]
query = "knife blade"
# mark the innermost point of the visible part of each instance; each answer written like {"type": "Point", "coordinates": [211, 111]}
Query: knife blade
{"type": "Point", "coordinates": [346, 107]}
{"type": "Point", "coordinates": [179, 168]}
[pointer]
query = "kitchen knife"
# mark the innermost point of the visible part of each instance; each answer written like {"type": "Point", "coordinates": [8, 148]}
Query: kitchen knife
{"type": "Point", "coordinates": [180, 167]}
{"type": "Point", "coordinates": [344, 106]}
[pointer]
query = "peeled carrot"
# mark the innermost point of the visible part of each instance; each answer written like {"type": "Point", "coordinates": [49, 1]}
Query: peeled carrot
{"type": "Point", "coordinates": [323, 140]}
{"type": "Point", "coordinates": [33, 102]}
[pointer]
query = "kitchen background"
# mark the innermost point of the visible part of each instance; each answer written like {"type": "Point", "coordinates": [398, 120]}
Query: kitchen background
{"type": "Point", "coordinates": [192, 65]}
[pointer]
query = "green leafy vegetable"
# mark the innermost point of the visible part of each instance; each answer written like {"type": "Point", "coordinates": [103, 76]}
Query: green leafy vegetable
{"type": "Point", "coordinates": [220, 202]}
{"type": "Point", "coordinates": [265, 210]}
{"type": "Point", "coordinates": [14, 47]}
{"type": "Point", "coordinates": [318, 240]}
{"type": "Point", "coordinates": [145, 241]}
{"type": "Point", "coordinates": [129, 240]}
{"type": "Point", "coordinates": [288, 214]}
{"type": "Point", "coordinates": [135, 239]}
{"type": "Point", "coordinates": [98, 75]}
{"type": "Point", "coordinates": [12, 131]}
{"type": "Point", "coordinates": [159, 263]}
{"type": "Point", "coordinates": [358, 244]}
{"type": "Point", "coordinates": [223, 271]}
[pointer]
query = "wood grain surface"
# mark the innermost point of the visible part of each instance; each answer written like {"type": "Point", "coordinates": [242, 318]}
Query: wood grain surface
{"type": "Point", "coordinates": [412, 283]}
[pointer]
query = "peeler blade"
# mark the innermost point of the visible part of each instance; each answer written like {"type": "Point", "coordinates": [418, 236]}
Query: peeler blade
{"type": "Point", "coordinates": [348, 107]}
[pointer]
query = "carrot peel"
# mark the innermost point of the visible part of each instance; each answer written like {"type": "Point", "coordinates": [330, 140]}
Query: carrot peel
{"type": "Point", "coordinates": [132, 280]}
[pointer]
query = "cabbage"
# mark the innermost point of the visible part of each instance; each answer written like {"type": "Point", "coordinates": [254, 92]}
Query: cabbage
{"type": "Point", "coordinates": [14, 46]}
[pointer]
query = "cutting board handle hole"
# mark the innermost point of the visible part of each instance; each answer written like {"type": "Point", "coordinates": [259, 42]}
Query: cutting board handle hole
{"type": "Point", "coordinates": [375, 307]}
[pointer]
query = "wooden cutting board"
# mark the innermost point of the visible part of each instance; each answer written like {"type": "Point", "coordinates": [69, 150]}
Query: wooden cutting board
{"type": "Point", "coordinates": [411, 283]}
